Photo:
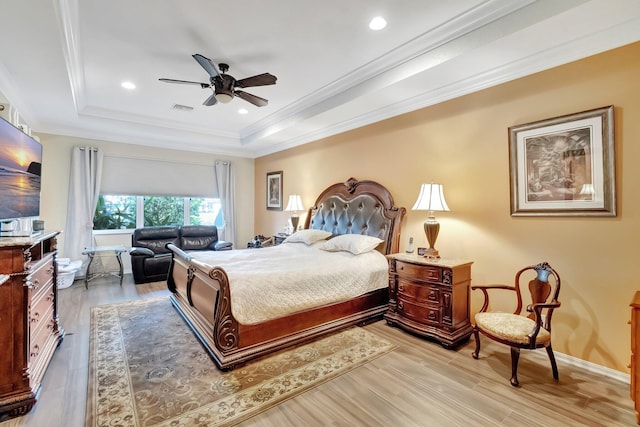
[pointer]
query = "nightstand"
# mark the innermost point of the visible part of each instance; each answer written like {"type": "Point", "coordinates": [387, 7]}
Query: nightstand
{"type": "Point", "coordinates": [430, 298]}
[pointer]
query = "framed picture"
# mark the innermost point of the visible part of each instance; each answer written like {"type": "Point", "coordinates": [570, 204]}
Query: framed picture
{"type": "Point", "coordinates": [564, 166]}
{"type": "Point", "coordinates": [422, 251]}
{"type": "Point", "coordinates": [274, 191]}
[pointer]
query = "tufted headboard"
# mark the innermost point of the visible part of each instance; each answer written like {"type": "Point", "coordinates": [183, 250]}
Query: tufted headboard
{"type": "Point", "coordinates": [358, 207]}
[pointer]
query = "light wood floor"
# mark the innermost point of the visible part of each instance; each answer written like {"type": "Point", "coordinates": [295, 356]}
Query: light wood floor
{"type": "Point", "coordinates": [418, 384]}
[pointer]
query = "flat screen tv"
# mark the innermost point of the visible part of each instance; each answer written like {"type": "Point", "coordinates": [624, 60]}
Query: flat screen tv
{"type": "Point", "coordinates": [20, 170]}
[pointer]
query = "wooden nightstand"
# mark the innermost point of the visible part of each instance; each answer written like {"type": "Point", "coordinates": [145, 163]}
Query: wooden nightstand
{"type": "Point", "coordinates": [430, 297]}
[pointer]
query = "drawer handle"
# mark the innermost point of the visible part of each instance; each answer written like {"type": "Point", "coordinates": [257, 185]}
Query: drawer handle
{"type": "Point", "coordinates": [401, 305]}
{"type": "Point", "coordinates": [432, 315]}
{"type": "Point", "coordinates": [36, 350]}
{"type": "Point", "coordinates": [433, 295]}
{"type": "Point", "coordinates": [401, 287]}
{"type": "Point", "coordinates": [35, 318]}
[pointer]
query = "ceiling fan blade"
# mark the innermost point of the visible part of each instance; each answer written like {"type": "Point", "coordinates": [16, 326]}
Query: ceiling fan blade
{"type": "Point", "coordinates": [206, 64]}
{"type": "Point", "coordinates": [259, 80]}
{"type": "Point", "coordinates": [186, 82]}
{"type": "Point", "coordinates": [210, 100]}
{"type": "Point", "coordinates": [255, 100]}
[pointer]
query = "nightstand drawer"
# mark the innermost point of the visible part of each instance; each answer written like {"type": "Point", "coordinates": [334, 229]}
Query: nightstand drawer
{"type": "Point", "coordinates": [420, 272]}
{"type": "Point", "coordinates": [418, 312]}
{"type": "Point", "coordinates": [418, 293]}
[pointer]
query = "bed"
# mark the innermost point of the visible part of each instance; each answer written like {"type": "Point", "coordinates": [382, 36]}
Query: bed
{"type": "Point", "coordinates": [244, 304]}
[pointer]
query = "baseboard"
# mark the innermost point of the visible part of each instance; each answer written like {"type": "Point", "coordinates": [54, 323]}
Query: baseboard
{"type": "Point", "coordinates": [593, 367]}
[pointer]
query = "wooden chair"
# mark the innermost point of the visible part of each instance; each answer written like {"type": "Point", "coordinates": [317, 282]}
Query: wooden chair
{"type": "Point", "coordinates": [521, 330]}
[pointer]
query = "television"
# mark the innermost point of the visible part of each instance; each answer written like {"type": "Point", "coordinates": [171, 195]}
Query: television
{"type": "Point", "coordinates": [20, 173]}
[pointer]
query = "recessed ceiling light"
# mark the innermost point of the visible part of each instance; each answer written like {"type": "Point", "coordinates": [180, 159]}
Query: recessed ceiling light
{"type": "Point", "coordinates": [128, 85]}
{"type": "Point", "coordinates": [377, 23]}
{"type": "Point", "coordinates": [243, 111]}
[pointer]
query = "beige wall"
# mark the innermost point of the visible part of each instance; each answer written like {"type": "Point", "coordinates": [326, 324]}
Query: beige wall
{"type": "Point", "coordinates": [55, 182]}
{"type": "Point", "coordinates": [463, 144]}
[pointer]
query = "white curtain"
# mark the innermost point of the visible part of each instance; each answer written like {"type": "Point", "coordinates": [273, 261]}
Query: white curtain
{"type": "Point", "coordinates": [84, 190]}
{"type": "Point", "coordinates": [226, 188]}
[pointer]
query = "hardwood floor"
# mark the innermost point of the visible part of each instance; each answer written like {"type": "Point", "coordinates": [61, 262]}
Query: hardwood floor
{"type": "Point", "coordinates": [418, 384]}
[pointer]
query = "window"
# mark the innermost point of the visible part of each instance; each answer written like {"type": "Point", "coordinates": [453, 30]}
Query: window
{"type": "Point", "coordinates": [118, 212]}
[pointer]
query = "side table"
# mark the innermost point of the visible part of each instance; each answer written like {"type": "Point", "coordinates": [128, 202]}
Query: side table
{"type": "Point", "coordinates": [116, 250]}
{"type": "Point", "coordinates": [430, 297]}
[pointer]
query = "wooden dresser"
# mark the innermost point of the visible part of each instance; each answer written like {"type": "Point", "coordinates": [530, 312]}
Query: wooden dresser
{"type": "Point", "coordinates": [430, 297]}
{"type": "Point", "coordinates": [29, 329]}
{"type": "Point", "coordinates": [635, 353]}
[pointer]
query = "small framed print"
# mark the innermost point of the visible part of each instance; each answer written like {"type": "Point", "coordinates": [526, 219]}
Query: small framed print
{"type": "Point", "coordinates": [422, 251]}
{"type": "Point", "coordinates": [274, 191]}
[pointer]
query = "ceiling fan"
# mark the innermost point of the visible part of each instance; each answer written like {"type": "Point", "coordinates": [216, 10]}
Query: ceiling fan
{"type": "Point", "coordinates": [224, 85]}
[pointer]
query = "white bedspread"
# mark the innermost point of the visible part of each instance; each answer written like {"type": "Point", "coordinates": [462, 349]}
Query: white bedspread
{"type": "Point", "coordinates": [275, 281]}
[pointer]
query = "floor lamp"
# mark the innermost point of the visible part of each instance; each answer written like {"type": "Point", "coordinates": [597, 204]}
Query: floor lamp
{"type": "Point", "coordinates": [431, 199]}
{"type": "Point", "coordinates": [294, 205]}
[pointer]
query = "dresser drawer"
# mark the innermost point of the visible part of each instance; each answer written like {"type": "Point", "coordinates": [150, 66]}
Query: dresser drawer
{"type": "Point", "coordinates": [420, 313]}
{"type": "Point", "coordinates": [418, 293]}
{"type": "Point", "coordinates": [41, 306]}
{"type": "Point", "coordinates": [419, 272]}
{"type": "Point", "coordinates": [41, 276]}
{"type": "Point", "coordinates": [40, 334]}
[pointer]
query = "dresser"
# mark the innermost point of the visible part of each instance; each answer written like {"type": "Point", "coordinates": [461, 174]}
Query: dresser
{"type": "Point", "coordinates": [635, 353]}
{"type": "Point", "coordinates": [29, 329]}
{"type": "Point", "coordinates": [430, 298]}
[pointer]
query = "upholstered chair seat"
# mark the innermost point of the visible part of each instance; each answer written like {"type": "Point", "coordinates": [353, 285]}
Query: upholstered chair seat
{"type": "Point", "coordinates": [510, 327]}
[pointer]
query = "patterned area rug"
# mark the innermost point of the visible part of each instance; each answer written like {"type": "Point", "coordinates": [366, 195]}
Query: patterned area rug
{"type": "Point", "coordinates": [146, 368]}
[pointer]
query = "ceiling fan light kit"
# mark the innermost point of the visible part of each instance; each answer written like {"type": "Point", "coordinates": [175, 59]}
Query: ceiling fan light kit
{"type": "Point", "coordinates": [224, 85]}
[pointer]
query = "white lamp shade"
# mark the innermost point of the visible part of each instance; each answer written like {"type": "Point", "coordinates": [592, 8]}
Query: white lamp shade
{"type": "Point", "coordinates": [431, 198]}
{"type": "Point", "coordinates": [295, 203]}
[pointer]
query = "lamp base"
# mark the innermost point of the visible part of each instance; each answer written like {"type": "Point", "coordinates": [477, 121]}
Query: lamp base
{"type": "Point", "coordinates": [294, 222]}
{"type": "Point", "coordinates": [431, 229]}
{"type": "Point", "coordinates": [431, 253]}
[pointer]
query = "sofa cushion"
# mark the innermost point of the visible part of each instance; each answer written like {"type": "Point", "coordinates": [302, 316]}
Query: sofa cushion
{"type": "Point", "coordinates": [198, 237]}
{"type": "Point", "coordinates": [155, 238]}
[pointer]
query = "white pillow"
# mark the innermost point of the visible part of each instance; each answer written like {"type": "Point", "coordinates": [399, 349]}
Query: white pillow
{"type": "Point", "coordinates": [354, 243]}
{"type": "Point", "coordinates": [307, 236]}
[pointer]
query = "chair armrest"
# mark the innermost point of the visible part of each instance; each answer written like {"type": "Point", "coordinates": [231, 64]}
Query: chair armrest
{"type": "Point", "coordinates": [144, 252]}
{"type": "Point", "coordinates": [222, 245]}
{"type": "Point", "coordinates": [485, 288]}
{"type": "Point", "coordinates": [537, 310]}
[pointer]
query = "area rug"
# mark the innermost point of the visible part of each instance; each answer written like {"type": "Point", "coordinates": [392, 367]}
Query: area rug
{"type": "Point", "coordinates": [146, 368]}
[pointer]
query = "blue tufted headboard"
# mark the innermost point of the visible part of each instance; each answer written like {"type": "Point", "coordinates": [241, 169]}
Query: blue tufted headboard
{"type": "Point", "coordinates": [358, 207]}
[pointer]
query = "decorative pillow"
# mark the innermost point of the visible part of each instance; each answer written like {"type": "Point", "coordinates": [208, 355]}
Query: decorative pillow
{"type": "Point", "coordinates": [307, 236]}
{"type": "Point", "coordinates": [354, 243]}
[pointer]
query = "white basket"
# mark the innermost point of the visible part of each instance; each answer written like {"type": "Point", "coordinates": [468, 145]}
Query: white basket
{"type": "Point", "coordinates": [66, 279]}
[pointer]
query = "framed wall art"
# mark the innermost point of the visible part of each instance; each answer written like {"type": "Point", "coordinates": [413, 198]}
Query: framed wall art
{"type": "Point", "coordinates": [274, 191]}
{"type": "Point", "coordinates": [564, 166]}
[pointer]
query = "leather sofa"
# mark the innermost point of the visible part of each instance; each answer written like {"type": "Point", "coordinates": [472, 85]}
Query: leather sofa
{"type": "Point", "coordinates": [150, 258]}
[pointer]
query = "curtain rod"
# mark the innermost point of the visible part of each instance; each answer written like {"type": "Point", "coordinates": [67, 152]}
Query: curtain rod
{"type": "Point", "coordinates": [90, 148]}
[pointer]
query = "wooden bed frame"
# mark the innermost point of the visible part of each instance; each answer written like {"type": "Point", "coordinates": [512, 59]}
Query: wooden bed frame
{"type": "Point", "coordinates": [201, 293]}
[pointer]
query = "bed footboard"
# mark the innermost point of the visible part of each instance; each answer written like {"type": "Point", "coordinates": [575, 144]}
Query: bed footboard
{"type": "Point", "coordinates": [201, 295]}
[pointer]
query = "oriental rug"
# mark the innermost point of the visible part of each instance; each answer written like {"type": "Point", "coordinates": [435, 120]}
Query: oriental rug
{"type": "Point", "coordinates": [146, 368]}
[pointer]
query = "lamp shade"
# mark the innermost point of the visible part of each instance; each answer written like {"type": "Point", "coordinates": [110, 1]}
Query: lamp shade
{"type": "Point", "coordinates": [295, 203]}
{"type": "Point", "coordinates": [431, 198]}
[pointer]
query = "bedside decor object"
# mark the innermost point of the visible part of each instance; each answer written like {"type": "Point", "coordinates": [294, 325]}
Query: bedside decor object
{"type": "Point", "coordinates": [564, 166]}
{"type": "Point", "coordinates": [431, 199]}
{"type": "Point", "coordinates": [274, 191]}
{"type": "Point", "coordinates": [294, 205]}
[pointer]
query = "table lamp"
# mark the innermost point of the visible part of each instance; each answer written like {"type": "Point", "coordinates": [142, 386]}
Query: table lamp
{"type": "Point", "coordinates": [294, 205]}
{"type": "Point", "coordinates": [431, 199]}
